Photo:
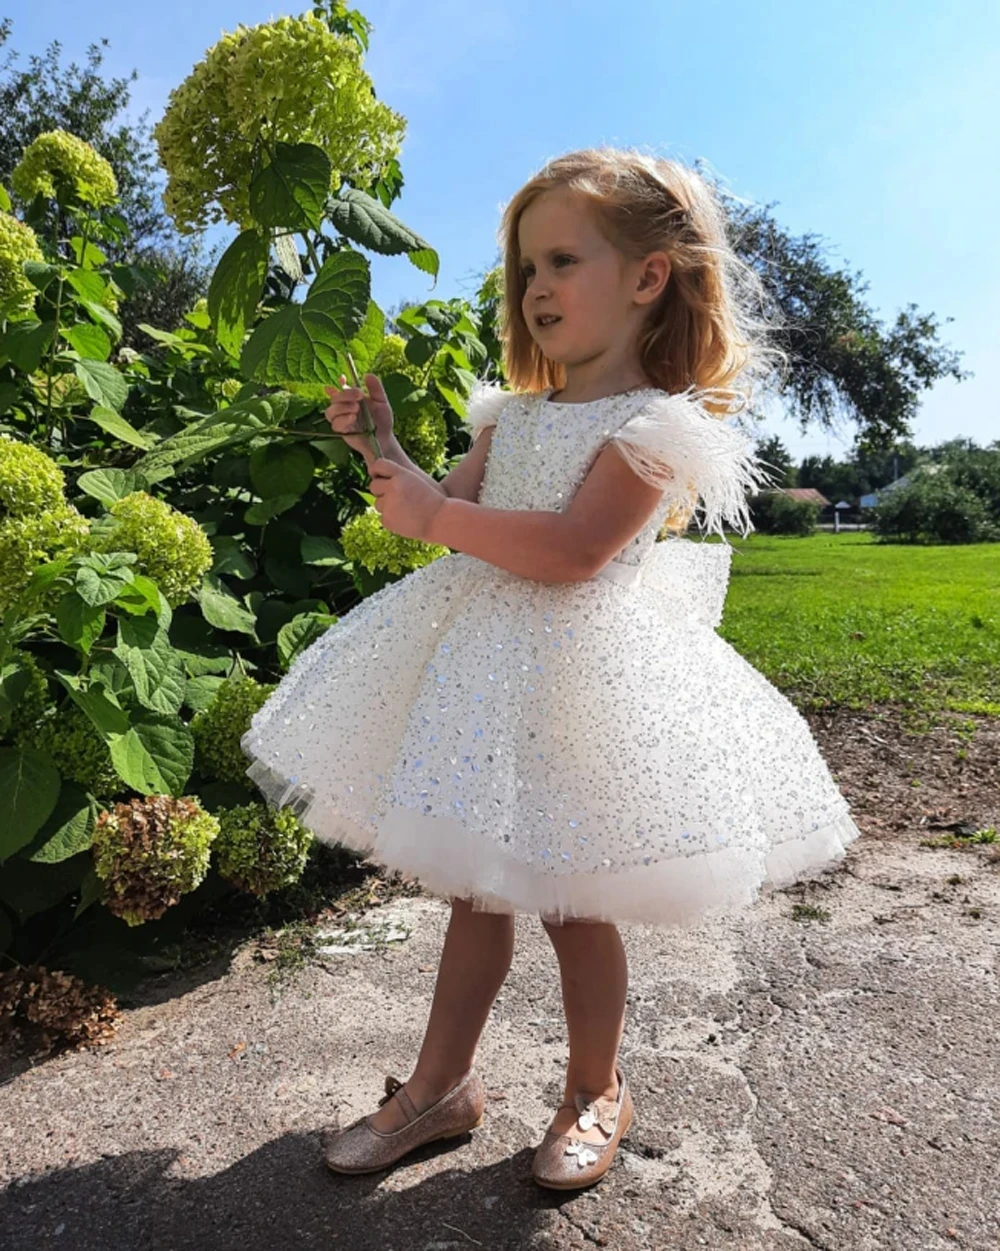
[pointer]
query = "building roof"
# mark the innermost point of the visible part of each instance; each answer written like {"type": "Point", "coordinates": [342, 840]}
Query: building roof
{"type": "Point", "coordinates": [804, 493]}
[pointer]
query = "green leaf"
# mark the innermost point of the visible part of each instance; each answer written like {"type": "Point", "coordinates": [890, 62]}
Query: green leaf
{"type": "Point", "coordinates": [188, 347]}
{"type": "Point", "coordinates": [281, 469]}
{"type": "Point", "coordinates": [15, 678]}
{"type": "Point", "coordinates": [40, 273]}
{"type": "Point", "coordinates": [103, 383]}
{"type": "Point", "coordinates": [103, 316]}
{"type": "Point", "coordinates": [156, 669]}
{"type": "Point", "coordinates": [419, 349]}
{"type": "Point", "coordinates": [111, 485]}
{"type": "Point", "coordinates": [227, 428]}
{"type": "Point", "coordinates": [260, 514]}
{"type": "Point", "coordinates": [10, 393]}
{"type": "Point", "coordinates": [25, 342]}
{"type": "Point", "coordinates": [365, 220]}
{"type": "Point", "coordinates": [425, 259]}
{"type": "Point", "coordinates": [199, 692]}
{"type": "Point", "coordinates": [29, 788]}
{"type": "Point", "coordinates": [292, 190]}
{"type": "Point", "coordinates": [236, 288]}
{"type": "Point", "coordinates": [367, 343]}
{"type": "Point", "coordinates": [5, 199]}
{"type": "Point", "coordinates": [67, 832]}
{"type": "Point", "coordinates": [101, 581]}
{"type": "Point", "coordinates": [95, 699]}
{"type": "Point", "coordinates": [88, 284]}
{"type": "Point", "coordinates": [317, 549]}
{"type": "Point", "coordinates": [91, 890]}
{"type": "Point", "coordinates": [31, 888]}
{"type": "Point", "coordinates": [221, 608]}
{"type": "Point", "coordinates": [305, 342]}
{"type": "Point", "coordinates": [299, 633]}
{"type": "Point", "coordinates": [80, 624]}
{"type": "Point", "coordinates": [155, 754]}
{"type": "Point", "coordinates": [231, 557]}
{"type": "Point", "coordinates": [141, 595]}
{"type": "Point", "coordinates": [89, 256]}
{"type": "Point", "coordinates": [89, 340]}
{"type": "Point", "coordinates": [115, 424]}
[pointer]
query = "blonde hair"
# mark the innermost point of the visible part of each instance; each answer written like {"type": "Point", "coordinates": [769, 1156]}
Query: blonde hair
{"type": "Point", "coordinates": [704, 331]}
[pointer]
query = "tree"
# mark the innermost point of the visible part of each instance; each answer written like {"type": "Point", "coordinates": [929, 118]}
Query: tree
{"type": "Point", "coordinates": [843, 361]}
{"type": "Point", "coordinates": [779, 461]}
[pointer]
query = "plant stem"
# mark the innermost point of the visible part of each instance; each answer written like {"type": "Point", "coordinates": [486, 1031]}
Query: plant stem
{"type": "Point", "coordinates": [313, 254]}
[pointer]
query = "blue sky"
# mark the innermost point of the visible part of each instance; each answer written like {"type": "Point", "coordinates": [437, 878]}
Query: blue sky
{"type": "Point", "coordinates": [871, 125]}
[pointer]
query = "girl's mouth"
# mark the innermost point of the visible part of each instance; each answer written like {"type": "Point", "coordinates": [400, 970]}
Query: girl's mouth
{"type": "Point", "coordinates": [544, 320]}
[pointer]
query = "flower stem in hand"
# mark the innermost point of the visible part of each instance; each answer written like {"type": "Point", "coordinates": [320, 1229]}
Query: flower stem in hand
{"type": "Point", "coordinates": [369, 420]}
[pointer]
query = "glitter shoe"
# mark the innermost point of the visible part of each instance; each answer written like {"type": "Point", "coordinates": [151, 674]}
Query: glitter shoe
{"type": "Point", "coordinates": [564, 1162]}
{"type": "Point", "coordinates": [360, 1148]}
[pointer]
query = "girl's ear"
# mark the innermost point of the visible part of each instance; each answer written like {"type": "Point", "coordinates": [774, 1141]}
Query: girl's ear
{"type": "Point", "coordinates": [653, 277]}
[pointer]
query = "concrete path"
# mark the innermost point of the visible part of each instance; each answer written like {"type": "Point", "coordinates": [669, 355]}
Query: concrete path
{"type": "Point", "coordinates": [798, 1084]}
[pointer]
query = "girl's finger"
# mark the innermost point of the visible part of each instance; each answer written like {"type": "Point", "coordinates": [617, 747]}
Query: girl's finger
{"type": "Point", "coordinates": [375, 389]}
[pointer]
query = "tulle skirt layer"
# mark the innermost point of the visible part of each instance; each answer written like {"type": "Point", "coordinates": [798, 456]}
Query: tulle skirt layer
{"type": "Point", "coordinates": [589, 749]}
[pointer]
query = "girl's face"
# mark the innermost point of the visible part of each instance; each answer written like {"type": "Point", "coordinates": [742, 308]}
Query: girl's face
{"type": "Point", "coordinates": [583, 299]}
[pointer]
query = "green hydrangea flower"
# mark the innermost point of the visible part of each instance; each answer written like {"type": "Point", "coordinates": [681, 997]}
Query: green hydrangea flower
{"type": "Point", "coordinates": [491, 290]}
{"type": "Point", "coordinates": [218, 728]}
{"type": "Point", "coordinates": [172, 549]}
{"type": "Point", "coordinates": [422, 431]}
{"type": "Point", "coordinates": [27, 542]}
{"type": "Point", "coordinates": [149, 852]}
{"type": "Point", "coordinates": [261, 850]}
{"type": "Point", "coordinates": [291, 80]}
{"type": "Point", "coordinates": [423, 435]}
{"type": "Point", "coordinates": [18, 243]}
{"type": "Point", "coordinates": [391, 359]}
{"type": "Point", "coordinates": [366, 540]}
{"type": "Point", "coordinates": [59, 166]}
{"type": "Point", "coordinates": [29, 480]}
{"type": "Point", "coordinates": [35, 701]}
{"type": "Point", "coordinates": [77, 750]}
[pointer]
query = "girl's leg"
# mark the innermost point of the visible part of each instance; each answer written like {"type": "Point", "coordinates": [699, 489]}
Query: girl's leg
{"type": "Point", "coordinates": [594, 974]}
{"type": "Point", "coordinates": [476, 958]}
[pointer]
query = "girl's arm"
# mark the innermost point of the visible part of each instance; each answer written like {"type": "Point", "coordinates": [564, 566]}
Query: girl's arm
{"type": "Point", "coordinates": [610, 508]}
{"type": "Point", "coordinates": [465, 479]}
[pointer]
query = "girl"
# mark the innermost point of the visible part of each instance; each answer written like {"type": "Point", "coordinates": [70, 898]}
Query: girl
{"type": "Point", "coordinates": [545, 720]}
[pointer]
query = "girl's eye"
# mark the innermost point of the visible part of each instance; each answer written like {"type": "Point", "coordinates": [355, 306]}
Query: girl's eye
{"type": "Point", "coordinates": [560, 260]}
{"type": "Point", "coordinates": [527, 272]}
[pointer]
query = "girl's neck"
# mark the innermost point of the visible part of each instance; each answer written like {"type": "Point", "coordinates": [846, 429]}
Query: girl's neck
{"type": "Point", "coordinates": [586, 383]}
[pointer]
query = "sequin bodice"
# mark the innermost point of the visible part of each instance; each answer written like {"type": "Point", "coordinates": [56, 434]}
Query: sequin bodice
{"type": "Point", "coordinates": [542, 451]}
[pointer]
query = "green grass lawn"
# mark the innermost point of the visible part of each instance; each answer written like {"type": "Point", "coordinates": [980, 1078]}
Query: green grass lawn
{"type": "Point", "coordinates": [842, 619]}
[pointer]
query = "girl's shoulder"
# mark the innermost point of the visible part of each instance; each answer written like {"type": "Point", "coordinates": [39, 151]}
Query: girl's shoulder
{"type": "Point", "coordinates": [487, 401]}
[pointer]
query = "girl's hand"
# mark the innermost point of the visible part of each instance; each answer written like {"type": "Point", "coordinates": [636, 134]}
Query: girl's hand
{"type": "Point", "coordinates": [345, 416]}
{"type": "Point", "coordinates": [406, 502]}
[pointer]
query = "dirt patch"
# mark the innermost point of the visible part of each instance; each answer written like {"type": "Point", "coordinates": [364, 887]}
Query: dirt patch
{"type": "Point", "coordinates": [943, 779]}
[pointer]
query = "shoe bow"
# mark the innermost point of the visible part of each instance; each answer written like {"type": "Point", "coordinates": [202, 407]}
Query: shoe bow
{"type": "Point", "coordinates": [600, 1111]}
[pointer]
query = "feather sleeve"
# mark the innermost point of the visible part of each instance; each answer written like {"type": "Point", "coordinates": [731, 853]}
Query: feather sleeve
{"type": "Point", "coordinates": [697, 459]}
{"type": "Point", "coordinates": [484, 406]}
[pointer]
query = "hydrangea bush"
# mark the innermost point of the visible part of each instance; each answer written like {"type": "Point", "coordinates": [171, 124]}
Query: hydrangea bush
{"type": "Point", "coordinates": [176, 517]}
{"type": "Point", "coordinates": [59, 166]}
{"type": "Point", "coordinates": [291, 80]}
{"type": "Point", "coordinates": [151, 851]}
{"type": "Point", "coordinates": [36, 523]}
{"type": "Point", "coordinates": [218, 728]}
{"type": "Point", "coordinates": [366, 540]}
{"type": "Point", "coordinates": [261, 849]}
{"type": "Point", "coordinates": [18, 243]}
{"type": "Point", "coordinates": [172, 549]}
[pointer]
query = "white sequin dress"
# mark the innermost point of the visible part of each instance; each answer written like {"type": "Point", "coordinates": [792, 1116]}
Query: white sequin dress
{"type": "Point", "coordinates": [581, 749]}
